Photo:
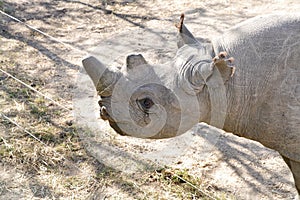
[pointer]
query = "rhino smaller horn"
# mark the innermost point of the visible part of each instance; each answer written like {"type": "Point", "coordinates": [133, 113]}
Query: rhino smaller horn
{"type": "Point", "coordinates": [134, 60]}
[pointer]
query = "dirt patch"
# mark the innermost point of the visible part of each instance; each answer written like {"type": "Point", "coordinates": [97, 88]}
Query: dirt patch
{"type": "Point", "coordinates": [63, 169]}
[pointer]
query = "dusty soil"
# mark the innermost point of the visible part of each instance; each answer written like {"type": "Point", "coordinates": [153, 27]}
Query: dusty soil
{"type": "Point", "coordinates": [82, 157]}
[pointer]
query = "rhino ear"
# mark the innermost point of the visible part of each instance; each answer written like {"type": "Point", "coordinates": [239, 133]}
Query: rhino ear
{"type": "Point", "coordinates": [135, 60]}
{"type": "Point", "coordinates": [225, 66]}
{"type": "Point", "coordinates": [184, 35]}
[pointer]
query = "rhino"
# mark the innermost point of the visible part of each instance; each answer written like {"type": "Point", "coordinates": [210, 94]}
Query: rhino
{"type": "Point", "coordinates": [246, 81]}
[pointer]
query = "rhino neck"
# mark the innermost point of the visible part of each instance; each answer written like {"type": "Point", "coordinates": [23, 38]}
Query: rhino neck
{"type": "Point", "coordinates": [218, 108]}
{"type": "Point", "coordinates": [238, 103]}
{"type": "Point", "coordinates": [204, 105]}
{"type": "Point", "coordinates": [199, 79]}
{"type": "Point", "coordinates": [198, 76]}
{"type": "Point", "coordinates": [214, 97]}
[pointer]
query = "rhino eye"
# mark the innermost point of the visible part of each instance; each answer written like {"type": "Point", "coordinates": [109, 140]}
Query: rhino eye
{"type": "Point", "coordinates": [145, 103]}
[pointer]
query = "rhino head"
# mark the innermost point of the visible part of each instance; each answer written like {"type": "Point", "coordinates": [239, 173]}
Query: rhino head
{"type": "Point", "coordinates": [163, 101]}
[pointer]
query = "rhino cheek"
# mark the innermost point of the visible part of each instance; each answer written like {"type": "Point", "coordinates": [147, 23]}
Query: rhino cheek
{"type": "Point", "coordinates": [172, 122]}
{"type": "Point", "coordinates": [163, 121]}
{"type": "Point", "coordinates": [171, 128]}
{"type": "Point", "coordinates": [156, 123]}
{"type": "Point", "coordinates": [139, 117]}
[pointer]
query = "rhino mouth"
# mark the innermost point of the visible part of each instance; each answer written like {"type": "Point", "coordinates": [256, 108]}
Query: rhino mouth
{"type": "Point", "coordinates": [105, 116]}
{"type": "Point", "coordinates": [114, 125]}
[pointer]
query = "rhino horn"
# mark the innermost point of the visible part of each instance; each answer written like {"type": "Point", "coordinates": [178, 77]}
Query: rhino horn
{"type": "Point", "coordinates": [103, 77]}
{"type": "Point", "coordinates": [134, 60]}
{"type": "Point", "coordinates": [185, 36]}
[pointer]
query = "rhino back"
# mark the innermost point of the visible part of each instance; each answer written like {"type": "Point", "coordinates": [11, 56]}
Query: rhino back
{"type": "Point", "coordinates": [264, 94]}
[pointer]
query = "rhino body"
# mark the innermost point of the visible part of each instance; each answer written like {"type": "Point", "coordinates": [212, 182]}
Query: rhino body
{"type": "Point", "coordinates": [257, 98]}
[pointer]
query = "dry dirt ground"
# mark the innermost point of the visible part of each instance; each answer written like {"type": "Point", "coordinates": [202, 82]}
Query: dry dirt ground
{"type": "Point", "coordinates": [55, 147]}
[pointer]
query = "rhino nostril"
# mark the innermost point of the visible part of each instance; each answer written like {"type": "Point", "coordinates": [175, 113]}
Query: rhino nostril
{"type": "Point", "coordinates": [103, 113]}
{"type": "Point", "coordinates": [100, 103]}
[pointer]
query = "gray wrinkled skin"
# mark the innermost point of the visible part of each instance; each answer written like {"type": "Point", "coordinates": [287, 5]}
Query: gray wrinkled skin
{"type": "Point", "coordinates": [259, 101]}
